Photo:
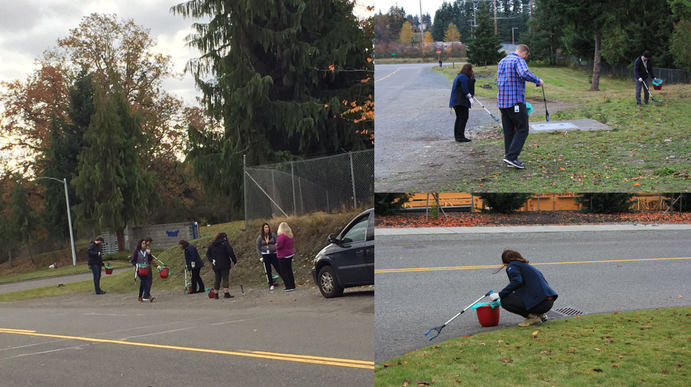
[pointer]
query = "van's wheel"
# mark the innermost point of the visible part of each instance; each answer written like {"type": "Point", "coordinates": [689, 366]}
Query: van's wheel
{"type": "Point", "coordinates": [328, 284]}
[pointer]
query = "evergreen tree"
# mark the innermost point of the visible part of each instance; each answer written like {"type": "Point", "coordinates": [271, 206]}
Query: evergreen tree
{"type": "Point", "coordinates": [112, 184]}
{"type": "Point", "coordinates": [605, 202]}
{"type": "Point", "coordinates": [544, 32]}
{"type": "Point", "coordinates": [484, 48]}
{"type": "Point", "coordinates": [284, 75]}
{"type": "Point", "coordinates": [505, 202]}
{"type": "Point", "coordinates": [23, 218]}
{"type": "Point", "coordinates": [5, 230]}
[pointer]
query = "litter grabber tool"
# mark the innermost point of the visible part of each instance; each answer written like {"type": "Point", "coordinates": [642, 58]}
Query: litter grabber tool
{"type": "Point", "coordinates": [488, 112]}
{"type": "Point", "coordinates": [649, 93]}
{"type": "Point", "coordinates": [545, 99]}
{"type": "Point", "coordinates": [439, 328]}
{"type": "Point", "coordinates": [162, 267]}
{"type": "Point", "coordinates": [188, 285]}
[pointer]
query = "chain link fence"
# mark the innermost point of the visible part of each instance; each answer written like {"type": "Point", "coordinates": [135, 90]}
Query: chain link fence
{"type": "Point", "coordinates": [328, 184]}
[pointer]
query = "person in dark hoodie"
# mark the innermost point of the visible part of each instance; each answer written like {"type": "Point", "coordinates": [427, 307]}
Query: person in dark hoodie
{"type": "Point", "coordinates": [220, 253]}
{"type": "Point", "coordinates": [527, 293]}
{"type": "Point", "coordinates": [141, 258]}
{"type": "Point", "coordinates": [642, 70]}
{"type": "Point", "coordinates": [95, 261]}
{"type": "Point", "coordinates": [194, 265]}
{"type": "Point", "coordinates": [266, 248]}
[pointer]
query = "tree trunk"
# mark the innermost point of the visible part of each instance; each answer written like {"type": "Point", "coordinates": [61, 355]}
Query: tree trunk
{"type": "Point", "coordinates": [121, 240]}
{"type": "Point", "coordinates": [595, 85]}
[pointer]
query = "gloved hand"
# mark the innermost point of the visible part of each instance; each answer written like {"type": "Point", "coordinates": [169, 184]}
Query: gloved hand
{"type": "Point", "coordinates": [494, 296]}
{"type": "Point", "coordinates": [213, 262]}
{"type": "Point", "coordinates": [261, 259]}
{"type": "Point", "coordinates": [640, 80]}
{"type": "Point", "coordinates": [469, 96]}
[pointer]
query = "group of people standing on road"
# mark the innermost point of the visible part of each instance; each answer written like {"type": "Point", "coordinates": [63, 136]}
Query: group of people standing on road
{"type": "Point", "coordinates": [275, 250]}
{"type": "Point", "coordinates": [512, 73]}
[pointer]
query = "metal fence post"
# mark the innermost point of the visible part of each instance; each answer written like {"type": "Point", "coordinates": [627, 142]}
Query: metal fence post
{"type": "Point", "coordinates": [244, 185]}
{"type": "Point", "coordinates": [292, 178]}
{"type": "Point", "coordinates": [352, 179]}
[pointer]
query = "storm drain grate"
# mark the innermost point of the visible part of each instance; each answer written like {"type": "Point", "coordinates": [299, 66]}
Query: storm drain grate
{"type": "Point", "coordinates": [567, 311]}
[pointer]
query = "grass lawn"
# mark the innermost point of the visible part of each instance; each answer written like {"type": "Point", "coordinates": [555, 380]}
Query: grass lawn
{"type": "Point", "coordinates": [62, 270]}
{"type": "Point", "coordinates": [647, 150]}
{"type": "Point", "coordinates": [637, 348]}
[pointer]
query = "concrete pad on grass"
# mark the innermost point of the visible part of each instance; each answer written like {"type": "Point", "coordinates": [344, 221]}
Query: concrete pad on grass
{"type": "Point", "coordinates": [566, 125]}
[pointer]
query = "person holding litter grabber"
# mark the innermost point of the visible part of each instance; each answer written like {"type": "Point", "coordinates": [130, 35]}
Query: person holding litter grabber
{"type": "Point", "coordinates": [220, 254]}
{"type": "Point", "coordinates": [141, 259]}
{"type": "Point", "coordinates": [528, 293]}
{"type": "Point", "coordinates": [194, 265]}
{"type": "Point", "coordinates": [266, 248]}
{"type": "Point", "coordinates": [642, 68]}
{"type": "Point", "coordinates": [512, 72]}
{"type": "Point", "coordinates": [95, 261]}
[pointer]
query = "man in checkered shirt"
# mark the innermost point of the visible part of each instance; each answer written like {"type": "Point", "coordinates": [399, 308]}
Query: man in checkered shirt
{"type": "Point", "coordinates": [512, 72]}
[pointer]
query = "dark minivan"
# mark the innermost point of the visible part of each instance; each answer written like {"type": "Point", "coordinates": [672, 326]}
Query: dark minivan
{"type": "Point", "coordinates": [349, 258]}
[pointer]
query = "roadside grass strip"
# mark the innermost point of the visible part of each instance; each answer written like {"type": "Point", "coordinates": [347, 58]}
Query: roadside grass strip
{"type": "Point", "coordinates": [648, 347]}
{"type": "Point", "coordinates": [318, 360]}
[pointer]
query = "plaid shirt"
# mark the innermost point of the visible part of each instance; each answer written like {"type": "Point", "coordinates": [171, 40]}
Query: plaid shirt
{"type": "Point", "coordinates": [512, 72]}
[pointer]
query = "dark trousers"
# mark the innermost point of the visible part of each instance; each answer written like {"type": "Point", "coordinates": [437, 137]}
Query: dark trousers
{"type": "Point", "coordinates": [515, 125]}
{"type": "Point", "coordinates": [514, 304]}
{"type": "Point", "coordinates": [639, 86]}
{"type": "Point", "coordinates": [197, 283]}
{"type": "Point", "coordinates": [145, 284]}
{"type": "Point", "coordinates": [96, 271]}
{"type": "Point", "coordinates": [461, 120]}
{"type": "Point", "coordinates": [287, 272]}
{"type": "Point", "coordinates": [270, 259]}
{"type": "Point", "coordinates": [221, 275]}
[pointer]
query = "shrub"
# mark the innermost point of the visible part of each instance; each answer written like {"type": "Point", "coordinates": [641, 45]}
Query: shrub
{"type": "Point", "coordinates": [605, 202]}
{"type": "Point", "coordinates": [505, 202]}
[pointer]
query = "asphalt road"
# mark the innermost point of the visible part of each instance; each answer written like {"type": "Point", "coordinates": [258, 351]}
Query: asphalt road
{"type": "Point", "coordinates": [414, 146]}
{"type": "Point", "coordinates": [294, 339]}
{"type": "Point", "coordinates": [52, 281]}
{"type": "Point", "coordinates": [408, 303]}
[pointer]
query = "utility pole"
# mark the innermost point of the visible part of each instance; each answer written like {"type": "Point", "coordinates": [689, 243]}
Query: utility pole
{"type": "Point", "coordinates": [530, 10]}
{"type": "Point", "coordinates": [495, 17]}
{"type": "Point", "coordinates": [69, 216]}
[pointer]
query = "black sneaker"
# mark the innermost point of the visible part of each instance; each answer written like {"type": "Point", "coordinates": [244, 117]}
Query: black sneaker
{"type": "Point", "coordinates": [463, 139]}
{"type": "Point", "coordinates": [514, 163]}
{"type": "Point", "coordinates": [101, 292]}
{"type": "Point", "coordinates": [227, 295]}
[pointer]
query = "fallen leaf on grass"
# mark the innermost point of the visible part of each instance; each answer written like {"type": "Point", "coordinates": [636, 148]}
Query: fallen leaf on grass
{"type": "Point", "coordinates": [597, 349]}
{"type": "Point", "coordinates": [597, 370]}
{"type": "Point", "coordinates": [507, 361]}
{"type": "Point", "coordinates": [405, 383]}
{"type": "Point", "coordinates": [615, 366]}
{"type": "Point", "coordinates": [665, 372]}
{"type": "Point", "coordinates": [500, 341]}
{"type": "Point", "coordinates": [422, 383]}
{"type": "Point", "coordinates": [571, 351]}
{"type": "Point", "coordinates": [388, 365]}
{"type": "Point", "coordinates": [535, 333]}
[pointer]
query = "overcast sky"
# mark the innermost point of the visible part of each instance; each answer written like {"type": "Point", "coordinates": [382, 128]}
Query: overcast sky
{"type": "Point", "coordinates": [29, 27]}
{"type": "Point", "coordinates": [411, 7]}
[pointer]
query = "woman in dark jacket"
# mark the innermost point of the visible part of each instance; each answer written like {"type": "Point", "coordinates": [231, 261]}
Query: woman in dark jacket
{"type": "Point", "coordinates": [527, 293]}
{"type": "Point", "coordinates": [461, 94]}
{"type": "Point", "coordinates": [194, 264]}
{"type": "Point", "coordinates": [219, 254]}
{"type": "Point", "coordinates": [141, 259]}
{"type": "Point", "coordinates": [266, 248]}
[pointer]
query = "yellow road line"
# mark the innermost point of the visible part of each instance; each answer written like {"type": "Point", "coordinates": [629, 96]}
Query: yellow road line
{"type": "Point", "coordinates": [381, 79]}
{"type": "Point", "coordinates": [350, 363]}
{"type": "Point", "coordinates": [443, 268]}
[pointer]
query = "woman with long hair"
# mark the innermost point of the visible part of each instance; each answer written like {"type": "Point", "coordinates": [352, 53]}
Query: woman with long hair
{"type": "Point", "coordinates": [266, 248]}
{"type": "Point", "coordinates": [284, 252]}
{"type": "Point", "coordinates": [461, 100]}
{"type": "Point", "coordinates": [141, 259]}
{"type": "Point", "coordinates": [220, 253]}
{"type": "Point", "coordinates": [527, 293]}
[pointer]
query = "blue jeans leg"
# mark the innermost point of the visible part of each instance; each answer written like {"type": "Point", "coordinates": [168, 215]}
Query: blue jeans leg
{"type": "Point", "coordinates": [96, 271]}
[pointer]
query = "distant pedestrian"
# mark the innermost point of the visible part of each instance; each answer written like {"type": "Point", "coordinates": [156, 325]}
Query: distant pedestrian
{"type": "Point", "coordinates": [95, 261]}
{"type": "Point", "coordinates": [220, 253]}
{"type": "Point", "coordinates": [266, 248]}
{"type": "Point", "coordinates": [194, 264]}
{"type": "Point", "coordinates": [527, 294]}
{"type": "Point", "coordinates": [512, 72]}
{"type": "Point", "coordinates": [462, 100]}
{"type": "Point", "coordinates": [141, 259]}
{"type": "Point", "coordinates": [284, 252]}
{"type": "Point", "coordinates": [642, 70]}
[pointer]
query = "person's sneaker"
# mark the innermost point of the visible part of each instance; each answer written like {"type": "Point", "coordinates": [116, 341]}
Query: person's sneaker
{"type": "Point", "coordinates": [145, 299]}
{"type": "Point", "coordinates": [101, 292]}
{"type": "Point", "coordinates": [530, 320]}
{"type": "Point", "coordinates": [152, 299]}
{"type": "Point", "coordinates": [271, 287]}
{"type": "Point", "coordinates": [227, 295]}
{"type": "Point", "coordinates": [288, 290]}
{"type": "Point", "coordinates": [544, 317]}
{"type": "Point", "coordinates": [140, 299]}
{"type": "Point", "coordinates": [514, 163]}
{"type": "Point", "coordinates": [463, 139]}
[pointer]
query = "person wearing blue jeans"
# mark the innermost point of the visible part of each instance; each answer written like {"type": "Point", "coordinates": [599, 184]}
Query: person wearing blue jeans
{"type": "Point", "coordinates": [141, 259]}
{"type": "Point", "coordinates": [95, 261]}
{"type": "Point", "coordinates": [512, 72]}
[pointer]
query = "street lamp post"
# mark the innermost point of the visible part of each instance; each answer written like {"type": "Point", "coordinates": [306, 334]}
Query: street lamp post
{"type": "Point", "coordinates": [69, 216]}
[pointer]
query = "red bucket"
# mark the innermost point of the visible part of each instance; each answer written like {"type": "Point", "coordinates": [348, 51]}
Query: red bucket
{"type": "Point", "coordinates": [109, 269]}
{"type": "Point", "coordinates": [211, 293]}
{"type": "Point", "coordinates": [164, 272]}
{"type": "Point", "coordinates": [488, 316]}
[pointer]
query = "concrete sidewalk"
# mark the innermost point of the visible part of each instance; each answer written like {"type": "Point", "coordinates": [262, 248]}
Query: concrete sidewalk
{"type": "Point", "coordinates": [528, 229]}
{"type": "Point", "coordinates": [52, 281]}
